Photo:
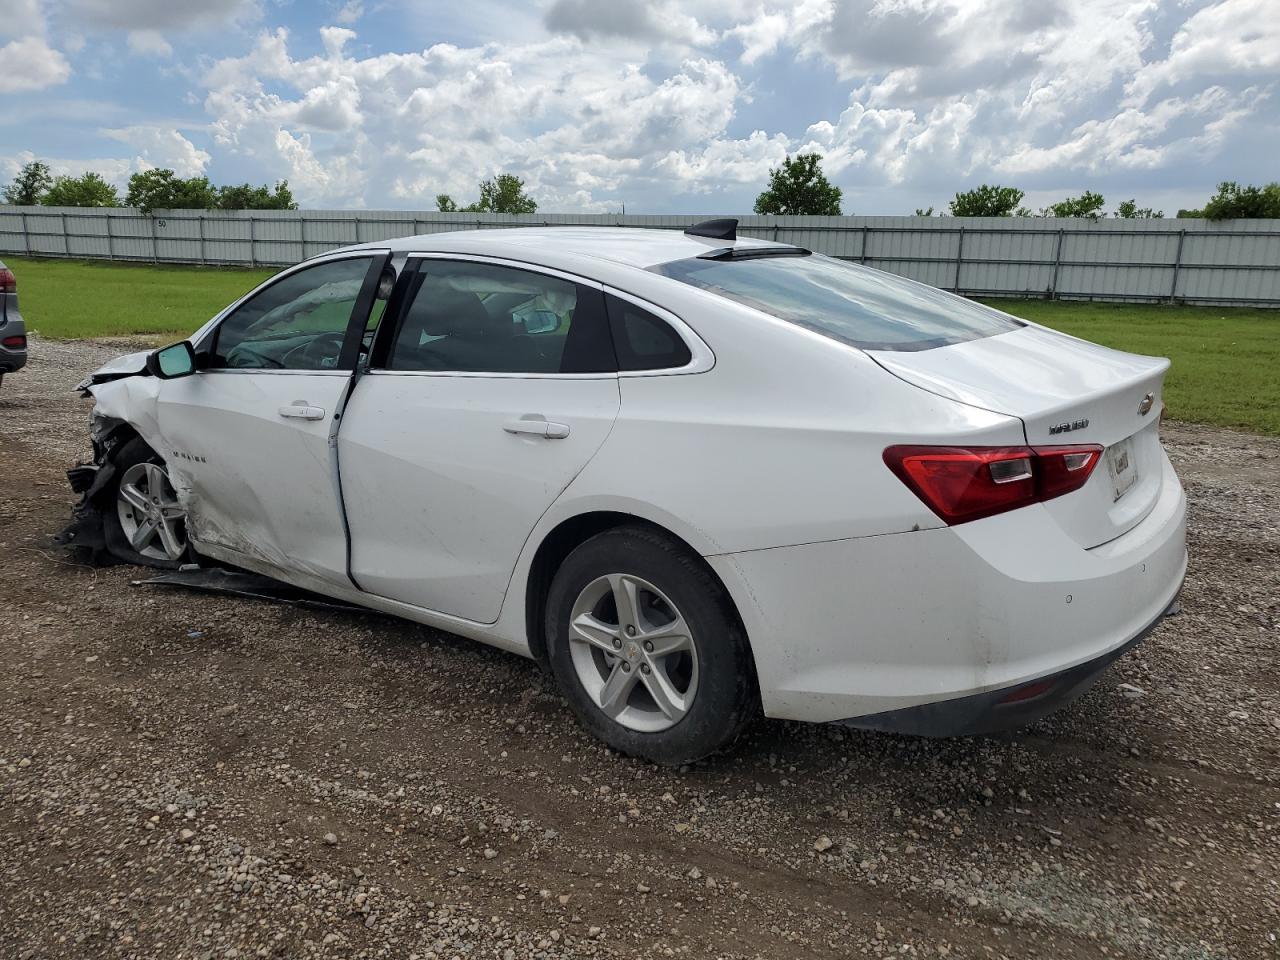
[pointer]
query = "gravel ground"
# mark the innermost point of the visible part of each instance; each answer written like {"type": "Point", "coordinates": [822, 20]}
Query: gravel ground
{"type": "Point", "coordinates": [193, 776]}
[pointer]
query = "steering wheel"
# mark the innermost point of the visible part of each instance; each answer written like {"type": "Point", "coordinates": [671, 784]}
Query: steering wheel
{"type": "Point", "coordinates": [243, 357]}
{"type": "Point", "coordinates": [312, 354]}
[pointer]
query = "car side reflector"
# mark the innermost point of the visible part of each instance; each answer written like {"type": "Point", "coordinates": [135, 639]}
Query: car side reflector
{"type": "Point", "coordinates": [18, 342]}
{"type": "Point", "coordinates": [960, 484]}
{"type": "Point", "coordinates": [1027, 692]}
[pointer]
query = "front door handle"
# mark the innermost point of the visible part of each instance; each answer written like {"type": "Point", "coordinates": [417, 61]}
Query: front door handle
{"type": "Point", "coordinates": [535, 425]}
{"type": "Point", "coordinates": [299, 410]}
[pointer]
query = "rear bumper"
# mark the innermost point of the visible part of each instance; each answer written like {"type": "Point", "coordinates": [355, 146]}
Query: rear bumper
{"type": "Point", "coordinates": [1003, 709]}
{"type": "Point", "coordinates": [875, 626]}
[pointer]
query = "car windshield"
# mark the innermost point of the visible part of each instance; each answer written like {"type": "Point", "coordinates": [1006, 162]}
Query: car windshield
{"type": "Point", "coordinates": [856, 305]}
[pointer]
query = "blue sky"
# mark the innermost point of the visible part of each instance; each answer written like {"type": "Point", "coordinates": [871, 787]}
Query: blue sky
{"type": "Point", "coordinates": [664, 106]}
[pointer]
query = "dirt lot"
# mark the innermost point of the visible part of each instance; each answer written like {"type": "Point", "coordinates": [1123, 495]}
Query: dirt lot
{"type": "Point", "coordinates": [184, 776]}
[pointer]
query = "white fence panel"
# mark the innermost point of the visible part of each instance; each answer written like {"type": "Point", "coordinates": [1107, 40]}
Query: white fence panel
{"type": "Point", "coordinates": [1193, 261]}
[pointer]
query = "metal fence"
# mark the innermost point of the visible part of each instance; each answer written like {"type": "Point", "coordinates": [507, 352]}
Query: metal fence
{"type": "Point", "coordinates": [1189, 261]}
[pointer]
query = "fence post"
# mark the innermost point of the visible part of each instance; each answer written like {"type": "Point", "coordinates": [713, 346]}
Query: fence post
{"type": "Point", "coordinates": [66, 237]}
{"type": "Point", "coordinates": [155, 247]}
{"type": "Point", "coordinates": [110, 252]}
{"type": "Point", "coordinates": [1177, 264]}
{"type": "Point", "coordinates": [302, 232]}
{"type": "Point", "coordinates": [26, 237]}
{"type": "Point", "coordinates": [959, 260]}
{"type": "Point", "coordinates": [1057, 263]}
{"type": "Point", "coordinates": [200, 228]}
{"type": "Point", "coordinates": [862, 254]}
{"type": "Point", "coordinates": [253, 243]}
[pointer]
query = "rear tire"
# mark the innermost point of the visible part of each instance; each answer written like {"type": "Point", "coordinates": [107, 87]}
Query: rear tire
{"type": "Point", "coordinates": [140, 495]}
{"type": "Point", "coordinates": [646, 646]}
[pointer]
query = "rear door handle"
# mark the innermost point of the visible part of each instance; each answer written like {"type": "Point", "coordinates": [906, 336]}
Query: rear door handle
{"type": "Point", "coordinates": [537, 426]}
{"type": "Point", "coordinates": [301, 411]}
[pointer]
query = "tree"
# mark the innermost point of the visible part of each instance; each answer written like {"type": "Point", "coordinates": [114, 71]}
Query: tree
{"type": "Point", "coordinates": [89, 190]}
{"type": "Point", "coordinates": [986, 201]}
{"type": "Point", "coordinates": [503, 194]}
{"type": "Point", "coordinates": [799, 187]}
{"type": "Point", "coordinates": [29, 186]}
{"type": "Point", "coordinates": [924, 211]}
{"type": "Point", "coordinates": [164, 190]}
{"type": "Point", "coordinates": [1086, 205]}
{"type": "Point", "coordinates": [1233, 202]}
{"type": "Point", "coordinates": [1129, 210]}
{"type": "Point", "coordinates": [248, 197]}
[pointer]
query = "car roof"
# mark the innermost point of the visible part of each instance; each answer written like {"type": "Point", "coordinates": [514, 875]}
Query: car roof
{"type": "Point", "coordinates": [631, 246]}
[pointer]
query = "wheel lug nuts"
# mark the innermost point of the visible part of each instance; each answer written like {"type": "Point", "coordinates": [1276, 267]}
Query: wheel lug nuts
{"type": "Point", "coordinates": [648, 646]}
{"type": "Point", "coordinates": [644, 668]}
{"type": "Point", "coordinates": [626, 667]}
{"type": "Point", "coordinates": [617, 643]}
{"type": "Point", "coordinates": [631, 631]}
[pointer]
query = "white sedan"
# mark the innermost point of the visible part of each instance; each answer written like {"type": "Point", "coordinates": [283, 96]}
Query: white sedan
{"type": "Point", "coordinates": [697, 477]}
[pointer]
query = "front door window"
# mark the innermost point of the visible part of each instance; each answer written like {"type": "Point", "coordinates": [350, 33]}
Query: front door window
{"type": "Point", "coordinates": [297, 323]}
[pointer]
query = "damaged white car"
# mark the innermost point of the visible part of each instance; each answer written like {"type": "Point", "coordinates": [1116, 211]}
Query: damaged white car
{"type": "Point", "coordinates": [697, 477]}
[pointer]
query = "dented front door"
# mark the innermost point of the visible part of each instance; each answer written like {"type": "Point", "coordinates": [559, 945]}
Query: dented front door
{"type": "Point", "coordinates": [250, 436]}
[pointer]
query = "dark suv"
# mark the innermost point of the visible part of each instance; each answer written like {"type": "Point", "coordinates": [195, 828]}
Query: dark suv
{"type": "Point", "coordinates": [13, 332]}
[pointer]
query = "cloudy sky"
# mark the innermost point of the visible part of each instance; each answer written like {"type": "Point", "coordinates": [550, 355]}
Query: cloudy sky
{"type": "Point", "coordinates": [659, 105]}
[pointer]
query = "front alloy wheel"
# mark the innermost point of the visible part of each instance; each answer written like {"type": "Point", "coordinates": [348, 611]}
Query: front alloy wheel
{"type": "Point", "coordinates": [151, 518]}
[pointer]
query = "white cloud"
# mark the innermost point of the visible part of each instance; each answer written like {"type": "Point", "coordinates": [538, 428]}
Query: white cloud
{"type": "Point", "coordinates": [158, 14]}
{"type": "Point", "coordinates": [630, 20]}
{"type": "Point", "coordinates": [161, 147]}
{"type": "Point", "coordinates": [31, 64]}
{"type": "Point", "coordinates": [1232, 38]}
{"type": "Point", "coordinates": [149, 43]}
{"type": "Point", "coordinates": [1137, 139]}
{"type": "Point", "coordinates": [112, 169]}
{"type": "Point", "coordinates": [350, 12]}
{"type": "Point", "coordinates": [569, 119]}
{"type": "Point", "coordinates": [20, 17]}
{"type": "Point", "coordinates": [643, 101]}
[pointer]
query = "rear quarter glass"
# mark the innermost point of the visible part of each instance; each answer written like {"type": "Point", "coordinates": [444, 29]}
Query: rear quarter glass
{"type": "Point", "coordinates": [857, 305]}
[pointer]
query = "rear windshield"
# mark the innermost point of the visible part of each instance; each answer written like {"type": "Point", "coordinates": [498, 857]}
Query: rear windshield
{"type": "Point", "coordinates": [856, 305]}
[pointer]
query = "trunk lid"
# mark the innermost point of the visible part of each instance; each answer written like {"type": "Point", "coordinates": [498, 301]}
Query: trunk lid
{"type": "Point", "coordinates": [1065, 391]}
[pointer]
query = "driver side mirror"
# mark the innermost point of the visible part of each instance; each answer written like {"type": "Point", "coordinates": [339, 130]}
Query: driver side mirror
{"type": "Point", "coordinates": [173, 361]}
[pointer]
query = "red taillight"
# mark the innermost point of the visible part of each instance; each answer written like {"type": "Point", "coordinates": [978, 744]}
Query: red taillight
{"type": "Point", "coordinates": [1063, 469]}
{"type": "Point", "coordinates": [8, 282]}
{"type": "Point", "coordinates": [960, 484]}
{"type": "Point", "coordinates": [14, 343]}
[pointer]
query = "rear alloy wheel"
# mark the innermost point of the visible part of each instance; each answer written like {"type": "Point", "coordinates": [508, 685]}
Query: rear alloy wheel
{"type": "Point", "coordinates": [647, 648]}
{"type": "Point", "coordinates": [633, 653]}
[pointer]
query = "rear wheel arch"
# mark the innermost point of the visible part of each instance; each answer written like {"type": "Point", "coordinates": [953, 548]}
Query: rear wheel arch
{"type": "Point", "coordinates": [567, 536]}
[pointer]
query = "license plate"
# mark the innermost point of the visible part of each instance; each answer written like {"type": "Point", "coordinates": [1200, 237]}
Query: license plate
{"type": "Point", "coordinates": [1121, 466]}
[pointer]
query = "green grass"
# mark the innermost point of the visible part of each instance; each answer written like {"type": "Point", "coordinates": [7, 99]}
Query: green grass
{"type": "Point", "coordinates": [1226, 360]}
{"type": "Point", "coordinates": [67, 299]}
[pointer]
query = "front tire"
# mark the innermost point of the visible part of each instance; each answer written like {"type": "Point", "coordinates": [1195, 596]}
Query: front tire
{"type": "Point", "coordinates": [143, 522]}
{"type": "Point", "coordinates": [646, 646]}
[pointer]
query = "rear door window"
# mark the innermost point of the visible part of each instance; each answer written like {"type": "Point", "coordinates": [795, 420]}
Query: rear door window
{"type": "Point", "coordinates": [475, 317]}
{"type": "Point", "coordinates": [854, 304]}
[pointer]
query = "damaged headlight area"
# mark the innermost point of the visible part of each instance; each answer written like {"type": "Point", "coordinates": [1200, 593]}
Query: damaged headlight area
{"type": "Point", "coordinates": [86, 533]}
